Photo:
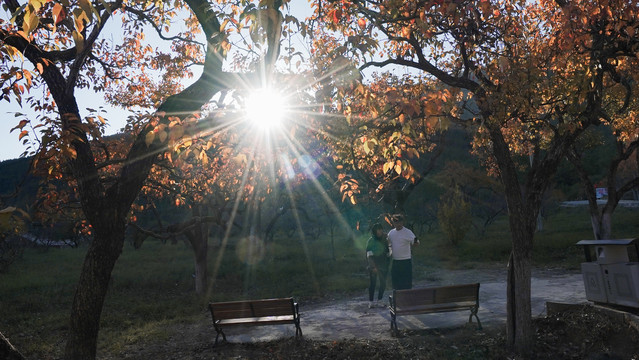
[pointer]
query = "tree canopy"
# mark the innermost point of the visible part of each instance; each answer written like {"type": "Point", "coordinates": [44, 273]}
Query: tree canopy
{"type": "Point", "coordinates": [528, 78]}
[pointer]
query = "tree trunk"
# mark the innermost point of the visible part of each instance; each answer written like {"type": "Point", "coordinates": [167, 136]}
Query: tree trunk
{"type": "Point", "coordinates": [91, 291]}
{"type": "Point", "coordinates": [605, 229]}
{"type": "Point", "coordinates": [199, 241]}
{"type": "Point", "coordinates": [596, 224]}
{"type": "Point", "coordinates": [523, 208]}
{"type": "Point", "coordinates": [520, 332]}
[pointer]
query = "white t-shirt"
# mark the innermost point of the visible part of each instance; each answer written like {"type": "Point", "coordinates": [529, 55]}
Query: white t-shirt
{"type": "Point", "coordinates": [400, 241]}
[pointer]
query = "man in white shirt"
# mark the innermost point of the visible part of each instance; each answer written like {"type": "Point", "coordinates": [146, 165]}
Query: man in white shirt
{"type": "Point", "coordinates": [400, 240]}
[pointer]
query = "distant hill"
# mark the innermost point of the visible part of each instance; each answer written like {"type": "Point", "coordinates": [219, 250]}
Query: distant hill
{"type": "Point", "coordinates": [17, 187]}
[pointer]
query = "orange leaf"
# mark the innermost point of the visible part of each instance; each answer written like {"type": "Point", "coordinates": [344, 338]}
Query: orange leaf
{"type": "Point", "coordinates": [361, 22]}
{"type": "Point", "coordinates": [21, 125]}
{"type": "Point", "coordinates": [23, 134]}
{"type": "Point", "coordinates": [58, 13]}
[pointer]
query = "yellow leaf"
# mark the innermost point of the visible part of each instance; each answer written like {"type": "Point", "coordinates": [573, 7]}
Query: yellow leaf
{"type": "Point", "coordinates": [177, 132]}
{"type": "Point", "coordinates": [398, 167]}
{"type": "Point", "coordinates": [150, 136]}
{"type": "Point", "coordinates": [162, 135]}
{"type": "Point", "coordinates": [87, 8]}
{"type": "Point", "coordinates": [31, 21]}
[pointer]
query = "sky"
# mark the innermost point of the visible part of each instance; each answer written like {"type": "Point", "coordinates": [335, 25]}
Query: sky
{"type": "Point", "coordinates": [11, 147]}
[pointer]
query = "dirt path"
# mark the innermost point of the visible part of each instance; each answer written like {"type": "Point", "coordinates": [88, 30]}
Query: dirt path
{"type": "Point", "coordinates": [351, 318]}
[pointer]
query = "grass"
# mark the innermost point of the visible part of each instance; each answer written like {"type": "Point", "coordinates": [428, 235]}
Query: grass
{"type": "Point", "coordinates": [152, 287]}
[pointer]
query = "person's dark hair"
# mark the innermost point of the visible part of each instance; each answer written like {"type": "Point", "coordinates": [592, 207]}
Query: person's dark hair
{"type": "Point", "coordinates": [375, 227]}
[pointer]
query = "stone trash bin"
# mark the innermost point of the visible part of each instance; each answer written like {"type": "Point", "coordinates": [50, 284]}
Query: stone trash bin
{"type": "Point", "coordinates": [611, 271]}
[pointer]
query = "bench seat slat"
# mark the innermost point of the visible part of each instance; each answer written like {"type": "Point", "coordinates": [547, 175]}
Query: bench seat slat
{"type": "Point", "coordinates": [425, 309]}
{"type": "Point", "coordinates": [434, 308]}
{"type": "Point", "coordinates": [258, 320]}
{"type": "Point", "coordinates": [273, 308]}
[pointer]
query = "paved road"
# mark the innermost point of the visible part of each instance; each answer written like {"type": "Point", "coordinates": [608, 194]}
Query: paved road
{"type": "Point", "coordinates": [622, 203]}
{"type": "Point", "coordinates": [348, 319]}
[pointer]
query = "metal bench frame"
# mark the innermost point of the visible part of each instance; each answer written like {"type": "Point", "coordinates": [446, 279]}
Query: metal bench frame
{"type": "Point", "coordinates": [254, 312]}
{"type": "Point", "coordinates": [434, 300]}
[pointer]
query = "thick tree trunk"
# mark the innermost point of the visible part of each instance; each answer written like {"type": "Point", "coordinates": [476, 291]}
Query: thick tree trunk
{"type": "Point", "coordinates": [519, 331]}
{"type": "Point", "coordinates": [91, 291]}
{"type": "Point", "coordinates": [523, 207]}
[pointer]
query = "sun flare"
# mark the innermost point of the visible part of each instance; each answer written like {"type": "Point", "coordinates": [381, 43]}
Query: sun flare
{"type": "Point", "coordinates": [266, 108]}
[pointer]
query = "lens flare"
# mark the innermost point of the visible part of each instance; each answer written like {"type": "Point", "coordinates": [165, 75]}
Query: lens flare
{"type": "Point", "coordinates": [266, 108]}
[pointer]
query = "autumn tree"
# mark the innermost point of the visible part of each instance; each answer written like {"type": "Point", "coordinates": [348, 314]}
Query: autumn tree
{"type": "Point", "coordinates": [621, 176]}
{"type": "Point", "coordinates": [454, 215]}
{"type": "Point", "coordinates": [52, 49]}
{"type": "Point", "coordinates": [388, 140]}
{"type": "Point", "coordinates": [483, 192]}
{"type": "Point", "coordinates": [537, 72]}
{"type": "Point", "coordinates": [200, 180]}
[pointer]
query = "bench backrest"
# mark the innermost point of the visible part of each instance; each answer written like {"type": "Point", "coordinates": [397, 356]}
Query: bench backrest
{"type": "Point", "coordinates": [252, 308]}
{"type": "Point", "coordinates": [437, 295]}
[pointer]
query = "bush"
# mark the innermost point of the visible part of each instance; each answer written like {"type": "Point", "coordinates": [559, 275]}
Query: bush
{"type": "Point", "coordinates": [454, 215]}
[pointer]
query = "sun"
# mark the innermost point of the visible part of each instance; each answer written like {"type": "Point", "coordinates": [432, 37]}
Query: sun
{"type": "Point", "coordinates": [266, 108]}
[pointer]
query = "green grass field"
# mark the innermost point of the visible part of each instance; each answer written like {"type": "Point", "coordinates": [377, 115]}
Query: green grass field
{"type": "Point", "coordinates": [153, 286]}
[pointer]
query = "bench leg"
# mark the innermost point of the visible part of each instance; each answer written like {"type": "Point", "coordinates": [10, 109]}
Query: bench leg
{"type": "Point", "coordinates": [391, 305]}
{"type": "Point", "coordinates": [298, 328]}
{"type": "Point", "coordinates": [219, 331]}
{"type": "Point", "coordinates": [473, 312]}
{"type": "Point", "coordinates": [394, 329]}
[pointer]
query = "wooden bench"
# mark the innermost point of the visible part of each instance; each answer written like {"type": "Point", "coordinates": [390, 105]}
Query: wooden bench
{"type": "Point", "coordinates": [255, 312]}
{"type": "Point", "coordinates": [433, 300]}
